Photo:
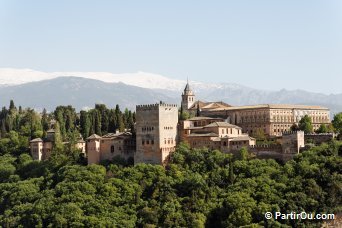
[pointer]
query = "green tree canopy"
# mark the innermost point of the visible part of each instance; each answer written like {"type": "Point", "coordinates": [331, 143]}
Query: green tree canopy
{"type": "Point", "coordinates": [305, 124]}
{"type": "Point", "coordinates": [337, 122]}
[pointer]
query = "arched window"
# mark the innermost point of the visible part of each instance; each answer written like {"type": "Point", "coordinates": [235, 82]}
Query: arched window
{"type": "Point", "coordinates": [112, 149]}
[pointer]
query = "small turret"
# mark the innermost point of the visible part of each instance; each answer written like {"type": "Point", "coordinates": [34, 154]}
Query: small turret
{"type": "Point", "coordinates": [188, 97]}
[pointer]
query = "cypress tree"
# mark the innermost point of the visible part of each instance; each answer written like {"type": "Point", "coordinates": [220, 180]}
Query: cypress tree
{"type": "Point", "coordinates": [97, 122]}
{"type": "Point", "coordinates": [45, 121]}
{"type": "Point", "coordinates": [58, 143]}
{"type": "Point", "coordinates": [85, 124]}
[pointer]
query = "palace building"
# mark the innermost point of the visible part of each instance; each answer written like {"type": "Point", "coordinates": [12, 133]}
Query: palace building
{"type": "Point", "coordinates": [214, 134]}
{"type": "Point", "coordinates": [272, 119]}
{"type": "Point", "coordinates": [107, 147]}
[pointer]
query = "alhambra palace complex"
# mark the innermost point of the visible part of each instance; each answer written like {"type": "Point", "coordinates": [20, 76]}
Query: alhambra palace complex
{"type": "Point", "coordinates": [219, 126]}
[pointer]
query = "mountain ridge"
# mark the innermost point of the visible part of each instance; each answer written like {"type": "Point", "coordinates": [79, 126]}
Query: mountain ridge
{"type": "Point", "coordinates": [83, 92]}
{"type": "Point", "coordinates": [79, 92]}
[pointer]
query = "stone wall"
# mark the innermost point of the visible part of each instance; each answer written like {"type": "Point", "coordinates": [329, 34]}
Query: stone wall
{"type": "Point", "coordinates": [319, 138]}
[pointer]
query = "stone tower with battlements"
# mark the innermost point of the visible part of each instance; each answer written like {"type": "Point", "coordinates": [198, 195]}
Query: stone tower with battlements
{"type": "Point", "coordinates": [188, 97]}
{"type": "Point", "coordinates": [156, 132]}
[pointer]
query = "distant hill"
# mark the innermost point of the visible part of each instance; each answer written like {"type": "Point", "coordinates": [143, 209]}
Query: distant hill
{"type": "Point", "coordinates": [240, 95]}
{"type": "Point", "coordinates": [81, 93]}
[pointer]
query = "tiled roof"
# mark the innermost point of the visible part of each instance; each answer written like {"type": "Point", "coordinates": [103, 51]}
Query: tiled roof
{"type": "Point", "coordinates": [94, 136]}
{"type": "Point", "coordinates": [209, 105]}
{"type": "Point", "coordinates": [242, 138]}
{"type": "Point", "coordinates": [36, 140]}
{"type": "Point", "coordinates": [222, 124]}
{"type": "Point", "coordinates": [112, 135]}
{"type": "Point", "coordinates": [211, 134]}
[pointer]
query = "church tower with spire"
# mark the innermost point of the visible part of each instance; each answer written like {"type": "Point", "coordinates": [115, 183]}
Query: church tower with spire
{"type": "Point", "coordinates": [188, 97]}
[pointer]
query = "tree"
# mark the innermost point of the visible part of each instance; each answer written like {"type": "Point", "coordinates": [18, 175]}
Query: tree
{"type": "Point", "coordinates": [97, 122]}
{"type": "Point", "coordinates": [243, 154]}
{"type": "Point", "coordinates": [305, 124]}
{"type": "Point", "coordinates": [85, 124]}
{"type": "Point", "coordinates": [259, 134]}
{"type": "Point", "coordinates": [104, 112]}
{"type": "Point", "coordinates": [198, 110]}
{"type": "Point", "coordinates": [58, 143]}
{"type": "Point", "coordinates": [337, 122]}
{"type": "Point", "coordinates": [45, 120]}
{"type": "Point", "coordinates": [12, 107]}
{"type": "Point", "coordinates": [294, 127]}
{"type": "Point", "coordinates": [322, 129]}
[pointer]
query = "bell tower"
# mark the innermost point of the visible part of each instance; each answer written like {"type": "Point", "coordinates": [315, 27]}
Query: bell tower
{"type": "Point", "coordinates": [188, 97]}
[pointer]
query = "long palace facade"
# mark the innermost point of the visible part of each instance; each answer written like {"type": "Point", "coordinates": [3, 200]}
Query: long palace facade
{"type": "Point", "coordinates": [272, 119]}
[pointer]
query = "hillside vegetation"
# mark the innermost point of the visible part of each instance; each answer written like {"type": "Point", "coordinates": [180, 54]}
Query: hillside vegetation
{"type": "Point", "coordinates": [199, 188]}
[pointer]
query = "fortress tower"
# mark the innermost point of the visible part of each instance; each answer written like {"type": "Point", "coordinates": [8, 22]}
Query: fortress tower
{"type": "Point", "coordinates": [188, 97]}
{"type": "Point", "coordinates": [156, 132]}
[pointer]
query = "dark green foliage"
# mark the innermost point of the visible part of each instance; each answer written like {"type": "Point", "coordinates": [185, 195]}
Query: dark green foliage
{"type": "Point", "coordinates": [322, 129]}
{"type": "Point", "coordinates": [305, 124]}
{"type": "Point", "coordinates": [102, 120]}
{"type": "Point", "coordinates": [337, 122]}
{"type": "Point", "coordinates": [85, 124]}
{"type": "Point", "coordinates": [199, 188]}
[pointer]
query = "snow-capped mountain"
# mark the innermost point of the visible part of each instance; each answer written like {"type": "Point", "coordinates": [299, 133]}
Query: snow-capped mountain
{"type": "Point", "coordinates": [10, 76]}
{"type": "Point", "coordinates": [37, 89]}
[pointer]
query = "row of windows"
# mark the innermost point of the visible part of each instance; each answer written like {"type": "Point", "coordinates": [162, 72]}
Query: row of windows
{"type": "Point", "coordinates": [169, 141]}
{"type": "Point", "coordinates": [285, 125]}
{"type": "Point", "coordinates": [253, 120]}
{"type": "Point", "coordinates": [282, 112]}
{"type": "Point", "coordinates": [246, 113]}
{"type": "Point", "coordinates": [279, 130]}
{"type": "Point", "coordinates": [189, 99]}
{"type": "Point", "coordinates": [308, 112]}
{"type": "Point", "coordinates": [167, 149]}
{"type": "Point", "coordinates": [227, 130]}
{"type": "Point", "coordinates": [168, 128]}
{"type": "Point", "coordinates": [147, 129]}
{"type": "Point", "coordinates": [253, 116]}
{"type": "Point", "coordinates": [147, 142]}
{"type": "Point", "coordinates": [254, 126]}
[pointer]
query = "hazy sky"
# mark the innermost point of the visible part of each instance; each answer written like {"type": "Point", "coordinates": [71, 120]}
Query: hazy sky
{"type": "Point", "coordinates": [263, 44]}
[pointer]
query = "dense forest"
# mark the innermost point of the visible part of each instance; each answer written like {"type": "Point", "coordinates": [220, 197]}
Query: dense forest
{"type": "Point", "coordinates": [18, 126]}
{"type": "Point", "coordinates": [198, 188]}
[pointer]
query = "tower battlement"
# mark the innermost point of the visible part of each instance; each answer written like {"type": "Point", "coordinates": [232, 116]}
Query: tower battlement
{"type": "Point", "coordinates": [148, 107]}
